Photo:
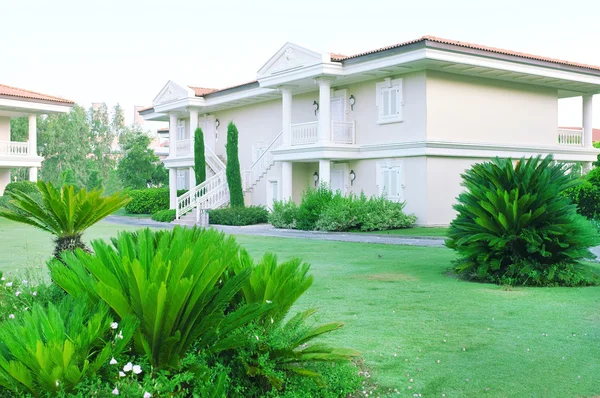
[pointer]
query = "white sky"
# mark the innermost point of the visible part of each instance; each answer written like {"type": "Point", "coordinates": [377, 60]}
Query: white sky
{"type": "Point", "coordinates": [126, 50]}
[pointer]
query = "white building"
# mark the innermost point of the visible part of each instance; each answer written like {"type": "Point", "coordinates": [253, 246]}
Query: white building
{"type": "Point", "coordinates": [15, 102]}
{"type": "Point", "coordinates": [404, 121]}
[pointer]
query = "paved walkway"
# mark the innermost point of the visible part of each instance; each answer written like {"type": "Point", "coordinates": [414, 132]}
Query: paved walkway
{"type": "Point", "coordinates": [269, 230]}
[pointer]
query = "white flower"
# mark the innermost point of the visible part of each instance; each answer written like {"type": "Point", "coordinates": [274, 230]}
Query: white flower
{"type": "Point", "coordinates": [8, 284]}
{"type": "Point", "coordinates": [120, 335]}
{"type": "Point", "coordinates": [147, 395]}
{"type": "Point", "coordinates": [137, 369]}
{"type": "Point", "coordinates": [113, 361]}
{"type": "Point", "coordinates": [272, 321]}
{"type": "Point", "coordinates": [268, 301]}
{"type": "Point", "coordinates": [12, 316]}
{"type": "Point", "coordinates": [128, 367]}
{"type": "Point", "coordinates": [121, 374]}
{"type": "Point", "coordinates": [2, 279]}
{"type": "Point", "coordinates": [114, 325]}
{"type": "Point", "coordinates": [115, 391]}
{"type": "Point", "coordinates": [256, 337]}
{"type": "Point", "coordinates": [17, 293]}
{"type": "Point", "coordinates": [35, 293]}
{"type": "Point", "coordinates": [57, 383]}
{"type": "Point", "coordinates": [25, 282]}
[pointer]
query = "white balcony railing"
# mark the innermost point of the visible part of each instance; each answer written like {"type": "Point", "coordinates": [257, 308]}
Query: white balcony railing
{"type": "Point", "coordinates": [183, 147]}
{"type": "Point", "coordinates": [308, 133]}
{"type": "Point", "coordinates": [342, 132]}
{"type": "Point", "coordinates": [305, 133]}
{"type": "Point", "coordinates": [570, 137]}
{"type": "Point", "coordinates": [14, 148]}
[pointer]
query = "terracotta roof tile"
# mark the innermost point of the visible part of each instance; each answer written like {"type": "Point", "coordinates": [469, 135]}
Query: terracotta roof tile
{"type": "Point", "coordinates": [475, 47]}
{"type": "Point", "coordinates": [202, 91]}
{"type": "Point", "coordinates": [10, 91]}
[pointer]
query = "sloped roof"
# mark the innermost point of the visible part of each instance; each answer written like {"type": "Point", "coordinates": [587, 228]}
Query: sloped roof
{"type": "Point", "coordinates": [10, 91]}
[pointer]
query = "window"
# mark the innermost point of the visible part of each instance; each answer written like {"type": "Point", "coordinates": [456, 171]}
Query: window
{"type": "Point", "coordinates": [181, 130]}
{"type": "Point", "coordinates": [391, 180]}
{"type": "Point", "coordinates": [182, 179]}
{"type": "Point", "coordinates": [389, 101]}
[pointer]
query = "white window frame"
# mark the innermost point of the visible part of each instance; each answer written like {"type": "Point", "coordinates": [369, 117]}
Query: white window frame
{"type": "Point", "coordinates": [181, 130]}
{"type": "Point", "coordinates": [270, 198]}
{"type": "Point", "coordinates": [397, 115]}
{"type": "Point", "coordinates": [393, 165]}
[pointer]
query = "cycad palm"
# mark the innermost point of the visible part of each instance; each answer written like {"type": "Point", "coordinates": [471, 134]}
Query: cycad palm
{"type": "Point", "coordinates": [64, 213]}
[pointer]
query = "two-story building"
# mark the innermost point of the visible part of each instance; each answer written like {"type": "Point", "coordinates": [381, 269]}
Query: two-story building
{"type": "Point", "coordinates": [402, 121]}
{"type": "Point", "coordinates": [16, 102]}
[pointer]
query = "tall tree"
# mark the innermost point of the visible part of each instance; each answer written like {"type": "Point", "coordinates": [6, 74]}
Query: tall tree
{"type": "Point", "coordinates": [102, 137]}
{"type": "Point", "coordinates": [232, 171]}
{"type": "Point", "coordinates": [64, 140]}
{"type": "Point", "coordinates": [199, 157]}
{"type": "Point", "coordinates": [139, 166]}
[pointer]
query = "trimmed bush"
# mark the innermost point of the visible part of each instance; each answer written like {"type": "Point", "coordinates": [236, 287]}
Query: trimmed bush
{"type": "Point", "coordinates": [26, 187]}
{"type": "Point", "coordinates": [232, 171]}
{"type": "Point", "coordinates": [164, 215]}
{"type": "Point", "coordinates": [284, 214]}
{"type": "Point", "coordinates": [515, 227]}
{"type": "Point", "coordinates": [314, 201]}
{"type": "Point", "coordinates": [587, 198]}
{"type": "Point", "coordinates": [149, 200]}
{"type": "Point", "coordinates": [239, 215]}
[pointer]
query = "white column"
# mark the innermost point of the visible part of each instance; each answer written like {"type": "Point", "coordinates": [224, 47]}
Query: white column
{"type": "Point", "coordinates": [4, 179]}
{"type": "Point", "coordinates": [587, 120]}
{"type": "Point", "coordinates": [286, 180]}
{"type": "Point", "coordinates": [324, 172]}
{"type": "Point", "coordinates": [193, 126]}
{"type": "Point", "coordinates": [173, 136]}
{"type": "Point", "coordinates": [324, 109]}
{"type": "Point", "coordinates": [192, 178]}
{"type": "Point", "coordinates": [286, 115]}
{"type": "Point", "coordinates": [172, 188]}
{"type": "Point", "coordinates": [33, 171]}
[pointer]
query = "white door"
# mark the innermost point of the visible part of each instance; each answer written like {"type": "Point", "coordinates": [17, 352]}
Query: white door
{"type": "Point", "coordinates": [338, 178]}
{"type": "Point", "coordinates": [272, 193]}
{"type": "Point", "coordinates": [337, 109]}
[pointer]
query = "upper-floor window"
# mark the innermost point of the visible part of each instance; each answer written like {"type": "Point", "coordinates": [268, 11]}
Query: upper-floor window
{"type": "Point", "coordinates": [389, 101]}
{"type": "Point", "coordinates": [181, 130]}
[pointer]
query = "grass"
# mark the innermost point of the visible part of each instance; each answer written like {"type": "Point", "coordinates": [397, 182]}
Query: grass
{"type": "Point", "coordinates": [416, 231]}
{"type": "Point", "coordinates": [405, 315]}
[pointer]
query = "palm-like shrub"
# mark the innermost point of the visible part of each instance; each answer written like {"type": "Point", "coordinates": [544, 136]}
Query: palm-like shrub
{"type": "Point", "coordinates": [514, 226]}
{"type": "Point", "coordinates": [64, 213]}
{"type": "Point", "coordinates": [171, 281]}
{"type": "Point", "coordinates": [49, 350]}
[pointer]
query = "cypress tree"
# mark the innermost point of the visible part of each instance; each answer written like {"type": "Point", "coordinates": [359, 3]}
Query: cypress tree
{"type": "Point", "coordinates": [234, 176]}
{"type": "Point", "coordinates": [199, 159]}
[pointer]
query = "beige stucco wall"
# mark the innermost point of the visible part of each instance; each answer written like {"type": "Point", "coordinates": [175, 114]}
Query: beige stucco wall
{"type": "Point", "coordinates": [476, 110]}
{"type": "Point", "coordinates": [4, 128]}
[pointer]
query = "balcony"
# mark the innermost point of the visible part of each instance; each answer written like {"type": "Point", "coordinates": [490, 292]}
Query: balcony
{"type": "Point", "coordinates": [308, 133]}
{"type": "Point", "coordinates": [14, 148]}
{"type": "Point", "coordinates": [570, 137]}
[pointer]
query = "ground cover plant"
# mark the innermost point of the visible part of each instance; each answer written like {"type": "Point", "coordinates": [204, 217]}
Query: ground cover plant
{"type": "Point", "coordinates": [515, 227]}
{"type": "Point", "coordinates": [404, 314]}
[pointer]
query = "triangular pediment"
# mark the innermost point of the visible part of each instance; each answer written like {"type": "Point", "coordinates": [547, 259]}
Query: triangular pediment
{"type": "Point", "coordinates": [171, 92]}
{"type": "Point", "coordinates": [291, 56]}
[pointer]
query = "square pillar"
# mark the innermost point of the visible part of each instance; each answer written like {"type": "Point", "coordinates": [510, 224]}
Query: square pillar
{"type": "Point", "coordinates": [324, 172]}
{"type": "Point", "coordinates": [193, 127]}
{"type": "Point", "coordinates": [4, 179]}
{"type": "Point", "coordinates": [172, 136]}
{"type": "Point", "coordinates": [33, 174]}
{"type": "Point", "coordinates": [324, 109]}
{"type": "Point", "coordinates": [172, 188]}
{"type": "Point", "coordinates": [286, 114]}
{"type": "Point", "coordinates": [587, 121]}
{"type": "Point", "coordinates": [32, 136]}
{"type": "Point", "coordinates": [286, 180]}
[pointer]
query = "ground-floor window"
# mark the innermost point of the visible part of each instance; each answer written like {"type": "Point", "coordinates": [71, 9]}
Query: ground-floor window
{"type": "Point", "coordinates": [390, 180]}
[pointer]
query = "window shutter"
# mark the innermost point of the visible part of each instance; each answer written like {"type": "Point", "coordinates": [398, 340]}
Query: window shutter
{"type": "Point", "coordinates": [386, 183]}
{"type": "Point", "coordinates": [397, 94]}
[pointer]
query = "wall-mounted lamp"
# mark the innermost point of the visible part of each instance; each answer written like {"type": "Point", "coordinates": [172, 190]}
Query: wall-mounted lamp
{"type": "Point", "coordinates": [315, 107]}
{"type": "Point", "coordinates": [352, 102]}
{"type": "Point", "coordinates": [316, 178]}
{"type": "Point", "coordinates": [217, 123]}
{"type": "Point", "coordinates": [352, 177]}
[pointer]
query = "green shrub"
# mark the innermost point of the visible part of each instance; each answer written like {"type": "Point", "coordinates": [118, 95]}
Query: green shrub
{"type": "Point", "coordinates": [149, 200]}
{"type": "Point", "coordinates": [64, 213]}
{"type": "Point", "coordinates": [171, 281]}
{"type": "Point", "coordinates": [164, 215]}
{"type": "Point", "coordinates": [46, 351]}
{"type": "Point", "coordinates": [26, 187]}
{"type": "Point", "coordinates": [593, 176]}
{"type": "Point", "coordinates": [514, 226]}
{"type": "Point", "coordinates": [232, 171]}
{"type": "Point", "coordinates": [284, 214]}
{"type": "Point", "coordinates": [314, 201]}
{"type": "Point", "coordinates": [587, 198]}
{"type": "Point", "coordinates": [239, 215]}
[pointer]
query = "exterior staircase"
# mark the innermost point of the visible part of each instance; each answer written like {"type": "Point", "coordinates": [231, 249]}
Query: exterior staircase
{"type": "Point", "coordinates": [213, 193]}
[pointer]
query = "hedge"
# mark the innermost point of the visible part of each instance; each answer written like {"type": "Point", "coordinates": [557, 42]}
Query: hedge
{"type": "Point", "coordinates": [164, 215]}
{"type": "Point", "coordinates": [149, 200]}
{"type": "Point", "coordinates": [238, 215]}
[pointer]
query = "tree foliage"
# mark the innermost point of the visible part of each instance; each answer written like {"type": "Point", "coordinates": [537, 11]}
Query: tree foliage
{"type": "Point", "coordinates": [139, 167]}
{"type": "Point", "coordinates": [514, 226]}
{"type": "Point", "coordinates": [199, 156]}
{"type": "Point", "coordinates": [233, 173]}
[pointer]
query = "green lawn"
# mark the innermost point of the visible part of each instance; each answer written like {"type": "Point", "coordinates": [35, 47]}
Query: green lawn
{"type": "Point", "coordinates": [416, 231]}
{"type": "Point", "coordinates": [405, 315]}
